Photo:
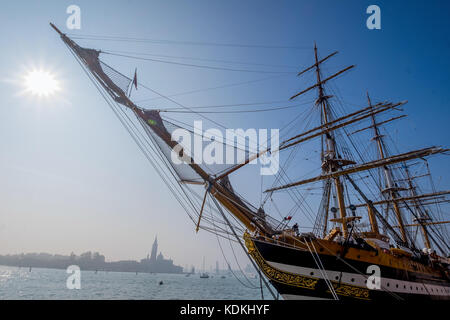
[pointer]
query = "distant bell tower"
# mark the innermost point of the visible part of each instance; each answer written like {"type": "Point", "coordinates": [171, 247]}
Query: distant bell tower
{"type": "Point", "coordinates": [154, 250]}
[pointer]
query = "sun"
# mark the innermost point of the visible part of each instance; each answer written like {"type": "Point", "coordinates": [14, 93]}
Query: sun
{"type": "Point", "coordinates": [41, 83]}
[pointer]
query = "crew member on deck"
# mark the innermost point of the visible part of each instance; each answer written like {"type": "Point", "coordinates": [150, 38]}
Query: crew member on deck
{"type": "Point", "coordinates": [295, 228]}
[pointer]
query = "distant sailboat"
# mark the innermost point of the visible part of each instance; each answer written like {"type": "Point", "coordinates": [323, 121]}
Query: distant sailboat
{"type": "Point", "coordinates": [204, 275]}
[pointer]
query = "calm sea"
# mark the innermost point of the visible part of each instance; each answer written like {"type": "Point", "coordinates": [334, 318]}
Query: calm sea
{"type": "Point", "coordinates": [20, 283]}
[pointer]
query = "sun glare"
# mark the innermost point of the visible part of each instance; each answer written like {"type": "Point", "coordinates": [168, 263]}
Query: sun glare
{"type": "Point", "coordinates": [41, 83]}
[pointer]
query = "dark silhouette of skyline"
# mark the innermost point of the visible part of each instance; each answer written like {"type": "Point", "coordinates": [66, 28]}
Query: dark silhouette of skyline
{"type": "Point", "coordinates": [93, 261]}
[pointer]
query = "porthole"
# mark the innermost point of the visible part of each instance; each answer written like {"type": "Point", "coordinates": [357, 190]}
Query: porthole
{"type": "Point", "coordinates": [388, 284]}
{"type": "Point", "coordinates": [352, 280]}
{"type": "Point", "coordinates": [337, 278]}
{"type": "Point", "coordinates": [396, 285]}
{"type": "Point", "coordinates": [311, 273]}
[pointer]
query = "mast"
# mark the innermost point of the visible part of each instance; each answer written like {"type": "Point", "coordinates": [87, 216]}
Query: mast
{"type": "Point", "coordinates": [390, 189]}
{"type": "Point", "coordinates": [422, 218]}
{"type": "Point", "coordinates": [332, 163]}
{"type": "Point", "coordinates": [329, 163]}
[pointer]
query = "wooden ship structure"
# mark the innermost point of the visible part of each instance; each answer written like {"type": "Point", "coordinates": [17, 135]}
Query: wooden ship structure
{"type": "Point", "coordinates": [341, 258]}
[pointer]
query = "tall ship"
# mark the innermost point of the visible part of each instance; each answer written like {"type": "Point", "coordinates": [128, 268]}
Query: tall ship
{"type": "Point", "coordinates": [378, 231]}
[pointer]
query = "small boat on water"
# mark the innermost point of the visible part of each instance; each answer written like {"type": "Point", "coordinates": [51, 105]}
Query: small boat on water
{"type": "Point", "coordinates": [204, 274]}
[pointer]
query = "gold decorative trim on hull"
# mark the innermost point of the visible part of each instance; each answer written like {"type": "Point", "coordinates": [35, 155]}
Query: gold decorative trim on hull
{"type": "Point", "coordinates": [296, 280]}
{"type": "Point", "coordinates": [275, 274]}
{"type": "Point", "coordinates": [351, 291]}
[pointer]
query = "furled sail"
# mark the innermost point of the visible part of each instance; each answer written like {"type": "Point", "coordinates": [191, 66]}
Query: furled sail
{"type": "Point", "coordinates": [178, 155]}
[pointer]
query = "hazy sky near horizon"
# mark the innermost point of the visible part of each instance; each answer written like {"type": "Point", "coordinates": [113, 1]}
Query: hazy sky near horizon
{"type": "Point", "coordinates": [73, 180]}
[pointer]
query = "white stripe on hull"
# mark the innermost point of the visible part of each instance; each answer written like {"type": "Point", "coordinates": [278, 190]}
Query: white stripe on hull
{"type": "Point", "coordinates": [298, 297]}
{"type": "Point", "coordinates": [355, 279]}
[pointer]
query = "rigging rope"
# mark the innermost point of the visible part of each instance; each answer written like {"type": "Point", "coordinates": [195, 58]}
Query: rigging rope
{"type": "Point", "coordinates": [252, 286]}
{"type": "Point", "coordinates": [322, 269]}
{"type": "Point", "coordinates": [203, 59]}
{"type": "Point", "coordinates": [197, 65]}
{"type": "Point", "coordinates": [235, 84]}
{"type": "Point", "coordinates": [196, 43]}
{"type": "Point", "coordinates": [243, 247]}
{"type": "Point", "coordinates": [235, 111]}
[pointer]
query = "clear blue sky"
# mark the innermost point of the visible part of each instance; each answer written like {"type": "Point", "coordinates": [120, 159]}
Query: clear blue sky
{"type": "Point", "coordinates": [73, 180]}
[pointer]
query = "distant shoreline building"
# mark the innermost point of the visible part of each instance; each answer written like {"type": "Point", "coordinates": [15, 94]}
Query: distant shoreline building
{"type": "Point", "coordinates": [89, 261]}
{"type": "Point", "coordinates": [157, 263]}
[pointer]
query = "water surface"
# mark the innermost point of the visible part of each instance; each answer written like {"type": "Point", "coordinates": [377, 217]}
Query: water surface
{"type": "Point", "coordinates": [20, 283]}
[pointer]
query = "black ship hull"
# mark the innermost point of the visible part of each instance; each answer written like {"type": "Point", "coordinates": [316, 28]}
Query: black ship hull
{"type": "Point", "coordinates": [296, 275]}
